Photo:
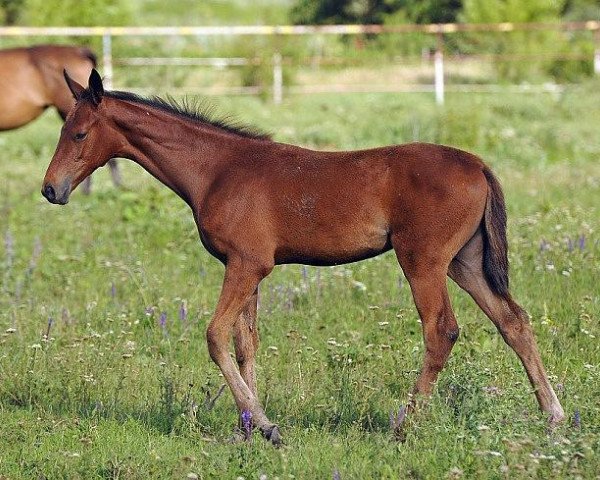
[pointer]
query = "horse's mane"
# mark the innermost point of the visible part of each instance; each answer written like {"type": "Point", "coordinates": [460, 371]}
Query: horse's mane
{"type": "Point", "coordinates": [193, 109]}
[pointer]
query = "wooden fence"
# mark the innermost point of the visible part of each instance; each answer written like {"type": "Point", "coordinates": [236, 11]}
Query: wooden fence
{"type": "Point", "coordinates": [439, 30]}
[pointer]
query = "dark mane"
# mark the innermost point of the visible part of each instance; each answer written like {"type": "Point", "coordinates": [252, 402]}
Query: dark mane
{"type": "Point", "coordinates": [195, 110]}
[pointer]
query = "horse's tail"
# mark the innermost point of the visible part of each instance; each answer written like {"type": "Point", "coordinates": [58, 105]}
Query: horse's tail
{"type": "Point", "coordinates": [495, 245]}
{"type": "Point", "coordinates": [91, 56]}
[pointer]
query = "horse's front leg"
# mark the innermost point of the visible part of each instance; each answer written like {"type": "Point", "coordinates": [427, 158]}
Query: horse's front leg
{"type": "Point", "coordinates": [239, 286]}
{"type": "Point", "coordinates": [245, 340]}
{"type": "Point", "coordinates": [114, 172]}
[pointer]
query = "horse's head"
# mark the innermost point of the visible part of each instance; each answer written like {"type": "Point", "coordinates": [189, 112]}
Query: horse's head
{"type": "Point", "coordinates": [85, 143]}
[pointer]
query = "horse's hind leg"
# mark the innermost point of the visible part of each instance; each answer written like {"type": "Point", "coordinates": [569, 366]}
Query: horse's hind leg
{"type": "Point", "coordinates": [427, 278]}
{"type": "Point", "coordinates": [511, 320]}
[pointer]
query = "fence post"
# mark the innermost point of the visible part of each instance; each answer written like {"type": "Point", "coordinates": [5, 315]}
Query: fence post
{"type": "Point", "coordinates": [597, 52]}
{"type": "Point", "coordinates": [107, 60]}
{"type": "Point", "coordinates": [277, 79]}
{"type": "Point", "coordinates": [438, 63]}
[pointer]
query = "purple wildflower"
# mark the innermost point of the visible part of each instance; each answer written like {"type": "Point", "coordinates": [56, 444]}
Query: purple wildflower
{"type": "Point", "coordinates": [336, 475]}
{"type": "Point", "coordinates": [581, 242]}
{"type": "Point", "coordinates": [50, 322]}
{"type": "Point", "coordinates": [576, 419]}
{"type": "Point", "coordinates": [66, 317]}
{"type": "Point", "coordinates": [162, 321]}
{"type": "Point", "coordinates": [35, 255]}
{"type": "Point", "coordinates": [9, 246]}
{"type": "Point", "coordinates": [247, 423]}
{"type": "Point", "coordinates": [113, 290]}
{"type": "Point", "coordinates": [183, 312]}
{"type": "Point", "coordinates": [289, 299]}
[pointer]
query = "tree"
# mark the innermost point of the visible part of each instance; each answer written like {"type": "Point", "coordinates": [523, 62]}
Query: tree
{"type": "Point", "coordinates": [373, 11]}
{"type": "Point", "coordinates": [433, 11]}
{"type": "Point", "coordinates": [10, 10]}
{"type": "Point", "coordinates": [581, 10]}
{"type": "Point", "coordinates": [343, 11]}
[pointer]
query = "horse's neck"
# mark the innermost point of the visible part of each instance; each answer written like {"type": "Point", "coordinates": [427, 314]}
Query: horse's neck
{"type": "Point", "coordinates": [181, 154]}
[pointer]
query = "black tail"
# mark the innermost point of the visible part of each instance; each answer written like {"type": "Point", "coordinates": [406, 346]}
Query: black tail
{"type": "Point", "coordinates": [87, 53]}
{"type": "Point", "coordinates": [495, 245]}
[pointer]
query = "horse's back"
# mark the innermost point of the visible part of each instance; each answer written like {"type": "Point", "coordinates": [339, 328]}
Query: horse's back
{"type": "Point", "coordinates": [32, 80]}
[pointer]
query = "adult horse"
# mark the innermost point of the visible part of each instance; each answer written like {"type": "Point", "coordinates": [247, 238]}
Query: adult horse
{"type": "Point", "coordinates": [31, 80]}
{"type": "Point", "coordinates": [258, 203]}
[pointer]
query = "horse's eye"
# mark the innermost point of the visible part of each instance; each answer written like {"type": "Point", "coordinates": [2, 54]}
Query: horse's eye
{"type": "Point", "coordinates": [80, 135]}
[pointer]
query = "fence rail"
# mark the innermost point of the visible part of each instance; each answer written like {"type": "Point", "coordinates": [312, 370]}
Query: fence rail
{"type": "Point", "coordinates": [298, 29]}
{"type": "Point", "coordinates": [439, 86]}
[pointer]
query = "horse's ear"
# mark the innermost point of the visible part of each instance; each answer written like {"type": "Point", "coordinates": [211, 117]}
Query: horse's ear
{"type": "Point", "coordinates": [75, 88]}
{"type": "Point", "coordinates": [96, 87]}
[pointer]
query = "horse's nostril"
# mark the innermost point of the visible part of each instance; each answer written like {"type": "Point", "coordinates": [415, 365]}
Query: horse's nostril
{"type": "Point", "coordinates": [49, 193]}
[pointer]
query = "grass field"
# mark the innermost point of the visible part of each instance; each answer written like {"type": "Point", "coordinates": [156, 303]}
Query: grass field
{"type": "Point", "coordinates": [121, 386]}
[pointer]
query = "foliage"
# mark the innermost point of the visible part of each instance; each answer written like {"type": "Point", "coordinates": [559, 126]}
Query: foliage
{"type": "Point", "coordinates": [342, 11]}
{"type": "Point", "coordinates": [433, 11]}
{"type": "Point", "coordinates": [76, 12]}
{"type": "Point", "coordinates": [373, 11]}
{"type": "Point", "coordinates": [581, 10]}
{"type": "Point", "coordinates": [10, 11]}
{"type": "Point", "coordinates": [532, 46]}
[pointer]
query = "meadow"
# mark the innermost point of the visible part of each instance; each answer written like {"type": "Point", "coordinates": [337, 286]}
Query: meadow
{"type": "Point", "coordinates": [104, 370]}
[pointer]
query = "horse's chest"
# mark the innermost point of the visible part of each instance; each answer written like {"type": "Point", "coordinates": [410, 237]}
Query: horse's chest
{"type": "Point", "coordinates": [211, 238]}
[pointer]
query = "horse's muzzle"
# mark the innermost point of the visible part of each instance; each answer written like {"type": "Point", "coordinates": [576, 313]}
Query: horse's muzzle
{"type": "Point", "coordinates": [60, 198]}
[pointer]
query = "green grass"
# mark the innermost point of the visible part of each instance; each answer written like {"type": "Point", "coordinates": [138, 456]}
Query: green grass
{"type": "Point", "coordinates": [111, 394]}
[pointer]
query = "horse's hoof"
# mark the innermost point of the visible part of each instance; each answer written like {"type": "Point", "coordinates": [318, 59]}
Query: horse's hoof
{"type": "Point", "coordinates": [272, 435]}
{"type": "Point", "coordinates": [397, 424]}
{"type": "Point", "coordinates": [556, 418]}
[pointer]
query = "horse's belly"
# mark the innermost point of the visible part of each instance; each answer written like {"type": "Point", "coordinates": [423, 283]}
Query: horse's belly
{"type": "Point", "coordinates": [15, 113]}
{"type": "Point", "coordinates": [334, 246]}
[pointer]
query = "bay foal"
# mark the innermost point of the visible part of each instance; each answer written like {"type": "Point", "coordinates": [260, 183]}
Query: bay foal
{"type": "Point", "coordinates": [32, 81]}
{"type": "Point", "coordinates": [258, 203]}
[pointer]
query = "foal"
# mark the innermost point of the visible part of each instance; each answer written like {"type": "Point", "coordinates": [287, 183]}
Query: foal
{"type": "Point", "coordinates": [440, 209]}
{"type": "Point", "coordinates": [32, 81]}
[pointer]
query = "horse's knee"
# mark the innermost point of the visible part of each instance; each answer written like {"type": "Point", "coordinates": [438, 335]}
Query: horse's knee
{"type": "Point", "coordinates": [516, 332]}
{"type": "Point", "coordinates": [243, 358]}
{"type": "Point", "coordinates": [448, 327]}
{"type": "Point", "coordinates": [452, 335]}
